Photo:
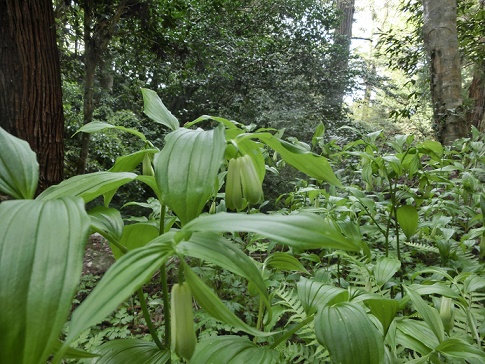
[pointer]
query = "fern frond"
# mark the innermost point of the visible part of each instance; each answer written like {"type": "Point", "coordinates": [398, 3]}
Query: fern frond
{"type": "Point", "coordinates": [298, 353]}
{"type": "Point", "coordinates": [425, 248]}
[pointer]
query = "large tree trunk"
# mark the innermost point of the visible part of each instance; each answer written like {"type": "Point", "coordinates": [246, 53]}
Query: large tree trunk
{"type": "Point", "coordinates": [340, 64]}
{"type": "Point", "coordinates": [30, 83]}
{"type": "Point", "coordinates": [441, 42]}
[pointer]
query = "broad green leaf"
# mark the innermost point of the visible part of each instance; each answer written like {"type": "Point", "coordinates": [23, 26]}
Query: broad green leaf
{"type": "Point", "coordinates": [131, 351]}
{"type": "Point", "coordinates": [285, 262]}
{"type": "Point", "coordinates": [217, 250]}
{"type": "Point", "coordinates": [412, 163]}
{"type": "Point", "coordinates": [229, 124]}
{"type": "Point", "coordinates": [315, 295]}
{"type": "Point", "coordinates": [349, 335]}
{"type": "Point", "coordinates": [311, 164]}
{"type": "Point", "coordinates": [95, 126]}
{"type": "Point", "coordinates": [415, 335]}
{"type": "Point", "coordinates": [319, 132]}
{"type": "Point", "coordinates": [460, 349]}
{"type": "Point", "coordinates": [384, 309]}
{"type": "Point", "coordinates": [385, 269]}
{"type": "Point", "coordinates": [408, 218]}
{"type": "Point", "coordinates": [429, 314]}
{"type": "Point", "coordinates": [135, 236]}
{"type": "Point", "coordinates": [186, 169]}
{"type": "Point", "coordinates": [156, 110]}
{"type": "Point", "coordinates": [88, 186]}
{"type": "Point", "coordinates": [41, 254]}
{"type": "Point", "coordinates": [436, 288]}
{"type": "Point", "coordinates": [303, 231]}
{"type": "Point", "coordinates": [19, 170]}
{"type": "Point", "coordinates": [123, 278]}
{"type": "Point", "coordinates": [151, 182]}
{"type": "Point", "coordinates": [232, 349]}
{"type": "Point", "coordinates": [128, 163]}
{"type": "Point", "coordinates": [433, 148]}
{"type": "Point", "coordinates": [73, 353]}
{"type": "Point", "coordinates": [473, 283]}
{"type": "Point", "coordinates": [107, 221]}
{"type": "Point", "coordinates": [212, 304]}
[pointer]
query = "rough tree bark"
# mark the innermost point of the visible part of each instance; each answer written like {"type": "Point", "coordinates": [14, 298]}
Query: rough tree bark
{"type": "Point", "coordinates": [30, 83]}
{"type": "Point", "coordinates": [476, 92]}
{"type": "Point", "coordinates": [343, 36]}
{"type": "Point", "coordinates": [96, 39]}
{"type": "Point", "coordinates": [441, 42]}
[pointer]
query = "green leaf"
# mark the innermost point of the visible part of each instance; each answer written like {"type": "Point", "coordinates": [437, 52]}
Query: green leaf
{"type": "Point", "coordinates": [311, 164]}
{"type": "Point", "coordinates": [151, 182]}
{"type": "Point", "coordinates": [415, 335]}
{"type": "Point", "coordinates": [156, 110]}
{"type": "Point", "coordinates": [408, 218]}
{"type": "Point", "coordinates": [95, 126]}
{"type": "Point", "coordinates": [41, 253]}
{"type": "Point", "coordinates": [303, 231]}
{"type": "Point", "coordinates": [433, 148]}
{"type": "Point", "coordinates": [460, 349]}
{"type": "Point", "coordinates": [19, 170]}
{"type": "Point", "coordinates": [128, 163]}
{"type": "Point", "coordinates": [135, 236]}
{"type": "Point", "coordinates": [212, 304]}
{"type": "Point", "coordinates": [349, 335]}
{"type": "Point", "coordinates": [107, 221]}
{"type": "Point", "coordinates": [131, 351]}
{"type": "Point", "coordinates": [429, 314]}
{"type": "Point", "coordinates": [217, 250]}
{"type": "Point", "coordinates": [88, 186]}
{"type": "Point", "coordinates": [232, 349]}
{"type": "Point", "coordinates": [384, 309]}
{"type": "Point", "coordinates": [123, 278]}
{"type": "Point", "coordinates": [315, 295]}
{"type": "Point", "coordinates": [73, 353]}
{"type": "Point", "coordinates": [319, 132]}
{"type": "Point", "coordinates": [385, 269]}
{"type": "Point", "coordinates": [186, 169]}
{"type": "Point", "coordinates": [285, 262]}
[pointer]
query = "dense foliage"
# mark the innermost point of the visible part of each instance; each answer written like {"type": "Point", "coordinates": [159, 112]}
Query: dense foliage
{"type": "Point", "coordinates": [385, 255]}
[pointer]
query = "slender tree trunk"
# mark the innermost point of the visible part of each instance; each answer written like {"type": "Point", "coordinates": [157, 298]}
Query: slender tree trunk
{"type": "Point", "coordinates": [343, 35]}
{"type": "Point", "coordinates": [476, 93]}
{"type": "Point", "coordinates": [441, 42]}
{"type": "Point", "coordinates": [30, 83]}
{"type": "Point", "coordinates": [96, 39]}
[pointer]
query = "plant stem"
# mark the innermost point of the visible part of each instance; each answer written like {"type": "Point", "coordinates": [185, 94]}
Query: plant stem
{"type": "Point", "coordinates": [148, 320]}
{"type": "Point", "coordinates": [166, 307]}
{"type": "Point", "coordinates": [260, 315]}
{"type": "Point", "coordinates": [164, 283]}
{"type": "Point", "coordinates": [290, 333]}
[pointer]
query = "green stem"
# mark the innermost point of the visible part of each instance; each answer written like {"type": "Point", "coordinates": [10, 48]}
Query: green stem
{"type": "Point", "coordinates": [166, 307]}
{"type": "Point", "coordinates": [164, 283]}
{"type": "Point", "coordinates": [122, 248]}
{"type": "Point", "coordinates": [260, 315]}
{"type": "Point", "coordinates": [290, 333]}
{"type": "Point", "coordinates": [148, 320]}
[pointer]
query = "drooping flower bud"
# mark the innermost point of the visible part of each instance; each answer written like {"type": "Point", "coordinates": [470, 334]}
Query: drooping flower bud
{"type": "Point", "coordinates": [184, 339]}
{"type": "Point", "coordinates": [233, 194]}
{"type": "Point", "coordinates": [447, 313]}
{"type": "Point", "coordinates": [146, 165]}
{"type": "Point", "coordinates": [251, 184]}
